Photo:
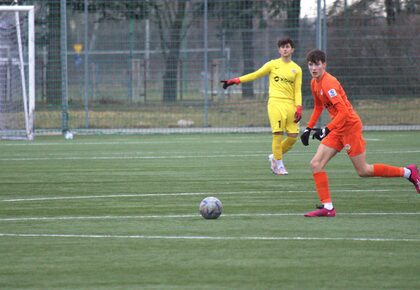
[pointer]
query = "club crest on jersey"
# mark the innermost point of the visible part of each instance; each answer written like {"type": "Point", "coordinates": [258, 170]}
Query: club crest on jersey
{"type": "Point", "coordinates": [332, 93]}
{"type": "Point", "coordinates": [347, 147]}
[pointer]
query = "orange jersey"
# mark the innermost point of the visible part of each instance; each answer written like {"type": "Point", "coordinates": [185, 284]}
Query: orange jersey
{"type": "Point", "coordinates": [329, 93]}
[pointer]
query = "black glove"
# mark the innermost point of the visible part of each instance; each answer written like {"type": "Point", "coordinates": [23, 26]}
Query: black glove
{"type": "Point", "coordinates": [305, 136]}
{"type": "Point", "coordinates": [321, 133]}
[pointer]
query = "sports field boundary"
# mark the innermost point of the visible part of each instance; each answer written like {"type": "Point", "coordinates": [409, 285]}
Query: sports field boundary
{"type": "Point", "coordinates": [179, 194]}
{"type": "Point", "coordinates": [257, 215]}
{"type": "Point", "coordinates": [219, 238]}
{"type": "Point", "coordinates": [205, 130]}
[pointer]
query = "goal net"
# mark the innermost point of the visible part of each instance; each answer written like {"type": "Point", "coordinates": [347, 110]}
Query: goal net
{"type": "Point", "coordinates": [17, 72]}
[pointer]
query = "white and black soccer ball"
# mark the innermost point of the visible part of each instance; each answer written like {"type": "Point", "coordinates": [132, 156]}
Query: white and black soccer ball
{"type": "Point", "coordinates": [68, 135]}
{"type": "Point", "coordinates": [210, 208]}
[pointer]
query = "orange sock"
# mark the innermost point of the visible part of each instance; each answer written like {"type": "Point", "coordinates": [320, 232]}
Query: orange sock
{"type": "Point", "coordinates": [384, 170]}
{"type": "Point", "coordinates": [321, 184]}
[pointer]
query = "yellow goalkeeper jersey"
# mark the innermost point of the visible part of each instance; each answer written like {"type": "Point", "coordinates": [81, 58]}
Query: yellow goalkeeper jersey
{"type": "Point", "coordinates": [285, 80]}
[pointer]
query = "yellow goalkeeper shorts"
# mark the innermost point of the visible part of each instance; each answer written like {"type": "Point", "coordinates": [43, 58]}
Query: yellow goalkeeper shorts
{"type": "Point", "coordinates": [282, 116]}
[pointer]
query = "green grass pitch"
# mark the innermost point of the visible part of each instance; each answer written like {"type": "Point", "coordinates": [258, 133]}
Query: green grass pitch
{"type": "Point", "coordinates": [121, 212]}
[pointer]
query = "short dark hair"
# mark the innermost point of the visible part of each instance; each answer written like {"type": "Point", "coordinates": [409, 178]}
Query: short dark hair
{"type": "Point", "coordinates": [284, 41]}
{"type": "Point", "coordinates": [316, 55]}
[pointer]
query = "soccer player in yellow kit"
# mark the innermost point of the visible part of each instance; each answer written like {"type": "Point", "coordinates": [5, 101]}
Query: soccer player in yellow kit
{"type": "Point", "coordinates": [284, 101]}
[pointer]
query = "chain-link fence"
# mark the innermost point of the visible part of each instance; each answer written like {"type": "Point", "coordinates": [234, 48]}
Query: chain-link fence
{"type": "Point", "coordinates": [156, 65]}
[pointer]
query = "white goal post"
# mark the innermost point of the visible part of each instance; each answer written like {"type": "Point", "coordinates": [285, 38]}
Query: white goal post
{"type": "Point", "coordinates": [17, 72]}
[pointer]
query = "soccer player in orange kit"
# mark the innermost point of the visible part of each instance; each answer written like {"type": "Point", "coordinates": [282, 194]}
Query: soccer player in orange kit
{"type": "Point", "coordinates": [344, 131]}
{"type": "Point", "coordinates": [284, 101]}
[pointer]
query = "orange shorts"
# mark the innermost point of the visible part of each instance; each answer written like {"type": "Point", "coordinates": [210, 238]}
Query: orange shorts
{"type": "Point", "coordinates": [350, 139]}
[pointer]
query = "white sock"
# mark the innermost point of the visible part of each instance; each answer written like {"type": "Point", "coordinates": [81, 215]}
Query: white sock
{"type": "Point", "coordinates": [328, 205]}
{"type": "Point", "coordinates": [407, 172]}
{"type": "Point", "coordinates": [280, 163]}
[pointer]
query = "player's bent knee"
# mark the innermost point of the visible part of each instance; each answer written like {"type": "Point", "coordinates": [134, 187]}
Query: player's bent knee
{"type": "Point", "coordinates": [315, 165]}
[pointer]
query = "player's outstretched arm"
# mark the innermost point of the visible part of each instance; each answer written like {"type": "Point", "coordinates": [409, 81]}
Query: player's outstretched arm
{"type": "Point", "coordinates": [262, 71]}
{"type": "Point", "coordinates": [230, 82]}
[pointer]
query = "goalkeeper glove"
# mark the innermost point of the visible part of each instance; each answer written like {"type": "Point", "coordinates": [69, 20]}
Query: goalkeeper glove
{"type": "Point", "coordinates": [305, 136]}
{"type": "Point", "coordinates": [298, 114]}
{"type": "Point", "coordinates": [228, 83]}
{"type": "Point", "coordinates": [321, 133]}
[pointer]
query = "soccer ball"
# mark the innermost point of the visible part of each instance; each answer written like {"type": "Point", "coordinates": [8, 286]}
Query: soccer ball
{"type": "Point", "coordinates": [210, 208]}
{"type": "Point", "coordinates": [68, 135]}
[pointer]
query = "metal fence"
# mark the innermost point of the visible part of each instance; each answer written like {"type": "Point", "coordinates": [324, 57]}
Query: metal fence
{"type": "Point", "coordinates": [156, 65]}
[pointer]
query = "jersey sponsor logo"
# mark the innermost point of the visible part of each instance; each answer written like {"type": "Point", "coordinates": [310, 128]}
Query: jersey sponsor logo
{"type": "Point", "coordinates": [277, 78]}
{"type": "Point", "coordinates": [294, 71]}
{"type": "Point", "coordinates": [332, 93]}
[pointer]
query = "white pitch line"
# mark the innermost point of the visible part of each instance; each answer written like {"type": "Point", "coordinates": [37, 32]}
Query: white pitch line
{"type": "Point", "coordinates": [99, 217]}
{"type": "Point", "coordinates": [179, 194]}
{"type": "Point", "coordinates": [124, 142]}
{"type": "Point", "coordinates": [127, 157]}
{"type": "Point", "coordinates": [112, 196]}
{"type": "Point", "coordinates": [119, 143]}
{"type": "Point", "coordinates": [219, 238]}
{"type": "Point", "coordinates": [194, 216]}
{"type": "Point", "coordinates": [173, 156]}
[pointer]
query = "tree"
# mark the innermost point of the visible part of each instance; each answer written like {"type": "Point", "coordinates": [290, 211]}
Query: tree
{"type": "Point", "coordinates": [292, 9]}
{"type": "Point", "coordinates": [390, 10]}
{"type": "Point", "coordinates": [54, 77]}
{"type": "Point", "coordinates": [385, 48]}
{"type": "Point", "coordinates": [173, 19]}
{"type": "Point", "coordinates": [239, 15]}
{"type": "Point", "coordinates": [293, 20]}
{"type": "Point", "coordinates": [247, 48]}
{"type": "Point", "coordinates": [243, 15]}
{"type": "Point", "coordinates": [394, 7]}
{"type": "Point", "coordinates": [170, 16]}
